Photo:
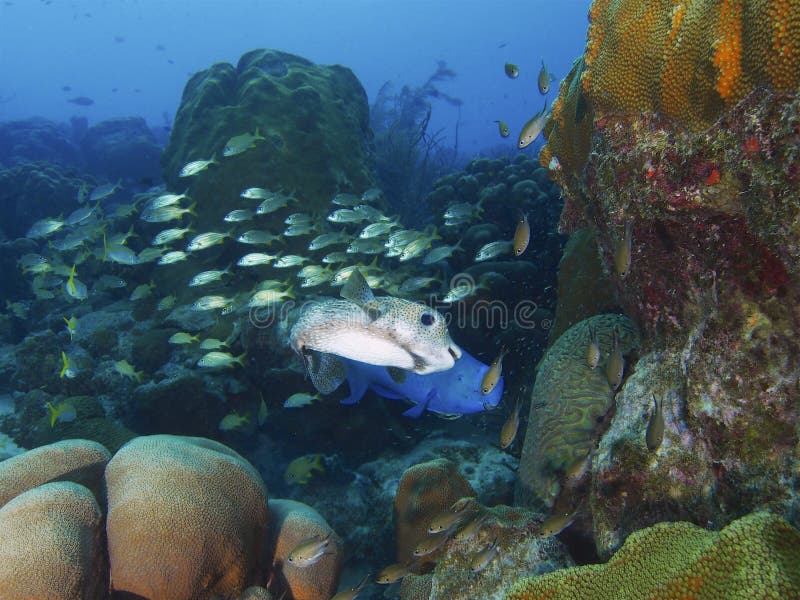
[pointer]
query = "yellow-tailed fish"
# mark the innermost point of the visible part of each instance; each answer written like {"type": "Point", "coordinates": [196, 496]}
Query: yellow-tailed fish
{"type": "Point", "coordinates": [68, 369]}
{"type": "Point", "coordinates": [211, 302]}
{"type": "Point", "coordinates": [72, 326]}
{"type": "Point", "coordinates": [622, 253]}
{"type": "Point", "coordinates": [592, 349]}
{"type": "Point", "coordinates": [310, 551]}
{"type": "Point", "coordinates": [392, 573]}
{"type": "Point", "coordinates": [493, 250]}
{"type": "Point", "coordinates": [264, 298]}
{"type": "Point", "coordinates": [220, 360]}
{"type": "Point", "coordinates": [301, 399]}
{"type": "Point", "coordinates": [302, 468]}
{"type": "Point", "coordinates": [63, 412]}
{"type": "Point", "coordinates": [206, 277]}
{"type": "Point", "coordinates": [544, 80]}
{"type": "Point", "coordinates": [492, 376]}
{"type": "Point", "coordinates": [212, 344]}
{"type": "Point", "coordinates": [352, 592]}
{"type": "Point", "coordinates": [173, 257]}
{"type": "Point", "coordinates": [206, 240]}
{"type": "Point", "coordinates": [502, 126]}
{"type": "Point", "coordinates": [76, 288]}
{"type": "Point", "coordinates": [655, 426]}
{"type": "Point", "coordinates": [556, 524]}
{"type": "Point", "coordinates": [44, 227]}
{"type": "Point", "coordinates": [532, 129]}
{"type": "Point", "coordinates": [165, 200]}
{"type": "Point", "coordinates": [170, 235]}
{"type": "Point", "coordinates": [509, 431]}
{"type": "Point", "coordinates": [616, 363]}
{"type": "Point", "coordinates": [167, 213]}
{"type": "Point", "coordinates": [482, 558]}
{"type": "Point", "coordinates": [522, 235]}
{"type": "Point", "coordinates": [182, 338]}
{"type": "Point", "coordinates": [233, 421]}
{"type": "Point", "coordinates": [141, 291]}
{"type": "Point", "coordinates": [195, 167]}
{"type": "Point", "coordinates": [263, 413]}
{"type": "Point", "coordinates": [512, 70]}
{"type": "Point", "coordinates": [124, 368]}
{"type": "Point", "coordinates": [240, 143]}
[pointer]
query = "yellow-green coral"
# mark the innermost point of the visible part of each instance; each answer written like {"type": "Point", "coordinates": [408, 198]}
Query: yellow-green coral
{"type": "Point", "coordinates": [757, 556]}
{"type": "Point", "coordinates": [568, 399]}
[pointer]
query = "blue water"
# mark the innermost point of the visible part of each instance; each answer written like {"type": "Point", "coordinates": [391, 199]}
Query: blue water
{"type": "Point", "coordinates": [95, 47]}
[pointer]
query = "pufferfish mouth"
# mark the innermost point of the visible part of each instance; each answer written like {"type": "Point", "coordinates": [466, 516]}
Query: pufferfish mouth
{"type": "Point", "coordinates": [455, 352]}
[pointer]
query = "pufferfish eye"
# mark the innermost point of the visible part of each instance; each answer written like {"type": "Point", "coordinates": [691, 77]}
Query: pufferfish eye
{"type": "Point", "coordinates": [427, 319]}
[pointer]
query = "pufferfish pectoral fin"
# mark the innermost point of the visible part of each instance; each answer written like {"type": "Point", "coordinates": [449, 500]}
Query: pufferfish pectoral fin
{"type": "Point", "coordinates": [357, 290]}
{"type": "Point", "coordinates": [397, 374]}
{"type": "Point", "coordinates": [327, 372]}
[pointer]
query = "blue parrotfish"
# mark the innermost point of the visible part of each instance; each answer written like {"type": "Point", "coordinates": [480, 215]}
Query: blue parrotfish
{"type": "Point", "coordinates": [454, 392]}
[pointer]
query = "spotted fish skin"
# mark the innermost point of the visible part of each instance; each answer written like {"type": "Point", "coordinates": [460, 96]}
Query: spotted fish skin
{"type": "Point", "coordinates": [392, 333]}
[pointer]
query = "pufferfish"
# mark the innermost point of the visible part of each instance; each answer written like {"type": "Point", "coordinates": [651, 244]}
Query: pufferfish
{"type": "Point", "coordinates": [383, 331]}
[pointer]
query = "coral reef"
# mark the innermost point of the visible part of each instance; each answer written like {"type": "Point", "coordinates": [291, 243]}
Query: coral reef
{"type": "Point", "coordinates": [757, 556]}
{"type": "Point", "coordinates": [688, 61]}
{"type": "Point", "coordinates": [22, 189]}
{"type": "Point", "coordinates": [713, 285]}
{"type": "Point", "coordinates": [460, 572]}
{"type": "Point", "coordinates": [37, 139]}
{"type": "Point", "coordinates": [584, 288]}
{"type": "Point", "coordinates": [314, 119]}
{"type": "Point", "coordinates": [185, 518]}
{"type": "Point", "coordinates": [292, 523]}
{"type": "Point", "coordinates": [122, 148]}
{"type": "Point", "coordinates": [424, 491]}
{"type": "Point", "coordinates": [167, 492]}
{"type": "Point", "coordinates": [78, 461]}
{"type": "Point", "coordinates": [569, 406]}
{"type": "Point", "coordinates": [52, 545]}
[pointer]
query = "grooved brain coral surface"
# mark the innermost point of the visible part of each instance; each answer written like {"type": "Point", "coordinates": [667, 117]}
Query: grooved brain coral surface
{"type": "Point", "coordinates": [757, 556]}
{"type": "Point", "coordinates": [690, 59]}
{"type": "Point", "coordinates": [567, 399]}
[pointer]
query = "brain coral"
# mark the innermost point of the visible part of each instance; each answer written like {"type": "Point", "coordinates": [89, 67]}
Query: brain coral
{"type": "Point", "coordinates": [292, 523]}
{"type": "Point", "coordinates": [187, 519]}
{"type": "Point", "coordinates": [51, 546]}
{"type": "Point", "coordinates": [424, 491]}
{"type": "Point", "coordinates": [567, 402]}
{"type": "Point", "coordinates": [81, 461]}
{"type": "Point", "coordinates": [757, 556]}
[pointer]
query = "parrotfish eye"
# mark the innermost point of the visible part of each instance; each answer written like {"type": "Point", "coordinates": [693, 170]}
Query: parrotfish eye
{"type": "Point", "coordinates": [427, 319]}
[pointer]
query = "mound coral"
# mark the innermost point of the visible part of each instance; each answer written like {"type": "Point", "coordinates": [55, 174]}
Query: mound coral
{"type": "Point", "coordinates": [291, 524]}
{"type": "Point", "coordinates": [569, 400]}
{"type": "Point", "coordinates": [187, 518]}
{"type": "Point", "coordinates": [80, 461]}
{"type": "Point", "coordinates": [424, 491]}
{"type": "Point", "coordinates": [57, 528]}
{"type": "Point", "coordinates": [757, 556]}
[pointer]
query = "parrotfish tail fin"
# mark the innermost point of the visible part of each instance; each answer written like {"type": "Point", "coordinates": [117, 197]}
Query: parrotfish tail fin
{"type": "Point", "coordinates": [416, 411]}
{"type": "Point", "coordinates": [358, 387]}
{"type": "Point", "coordinates": [326, 371]}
